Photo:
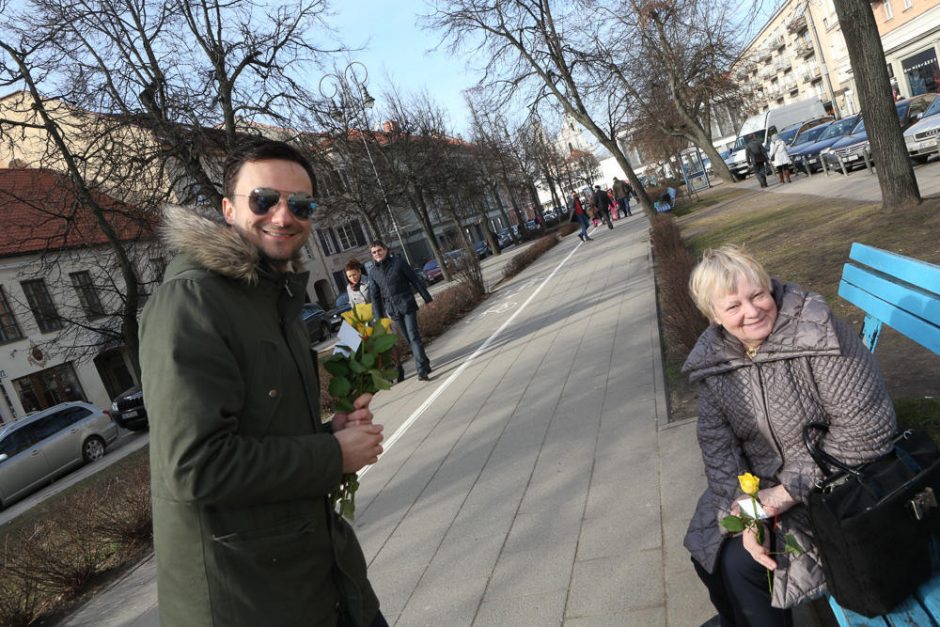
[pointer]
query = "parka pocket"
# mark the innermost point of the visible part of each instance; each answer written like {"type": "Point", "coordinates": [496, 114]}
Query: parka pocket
{"type": "Point", "coordinates": [265, 388]}
{"type": "Point", "coordinates": [274, 576]}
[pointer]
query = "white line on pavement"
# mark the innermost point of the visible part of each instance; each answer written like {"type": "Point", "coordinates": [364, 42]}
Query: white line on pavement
{"type": "Point", "coordinates": [453, 377]}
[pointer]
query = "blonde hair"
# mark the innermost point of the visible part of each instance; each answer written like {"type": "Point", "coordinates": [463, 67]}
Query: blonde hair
{"type": "Point", "coordinates": [718, 273]}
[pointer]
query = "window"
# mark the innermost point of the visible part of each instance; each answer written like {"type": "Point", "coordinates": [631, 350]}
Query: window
{"type": "Point", "coordinates": [327, 242]}
{"type": "Point", "coordinates": [87, 294]}
{"type": "Point", "coordinates": [908, 4]}
{"type": "Point", "coordinates": [9, 329]}
{"type": "Point", "coordinates": [350, 235]}
{"type": "Point", "coordinates": [40, 302]}
{"type": "Point", "coordinates": [889, 12]}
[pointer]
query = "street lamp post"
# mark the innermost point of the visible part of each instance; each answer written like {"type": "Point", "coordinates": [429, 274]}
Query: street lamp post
{"type": "Point", "coordinates": [349, 87]}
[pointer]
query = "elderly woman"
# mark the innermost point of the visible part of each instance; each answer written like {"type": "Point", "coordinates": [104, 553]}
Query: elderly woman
{"type": "Point", "coordinates": [773, 359]}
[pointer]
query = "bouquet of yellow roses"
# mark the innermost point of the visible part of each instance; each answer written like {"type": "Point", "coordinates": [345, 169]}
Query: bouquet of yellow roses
{"type": "Point", "coordinates": [751, 516]}
{"type": "Point", "coordinates": [360, 364]}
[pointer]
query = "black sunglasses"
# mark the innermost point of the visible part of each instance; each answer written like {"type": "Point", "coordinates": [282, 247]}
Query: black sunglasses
{"type": "Point", "coordinates": [263, 199]}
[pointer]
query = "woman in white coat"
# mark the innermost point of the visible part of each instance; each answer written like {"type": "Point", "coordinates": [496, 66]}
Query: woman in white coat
{"type": "Point", "coordinates": [780, 158]}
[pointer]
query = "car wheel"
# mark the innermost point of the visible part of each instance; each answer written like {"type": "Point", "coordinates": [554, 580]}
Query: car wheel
{"type": "Point", "coordinates": [324, 331]}
{"type": "Point", "coordinates": [93, 449]}
{"type": "Point", "coordinates": [921, 158]}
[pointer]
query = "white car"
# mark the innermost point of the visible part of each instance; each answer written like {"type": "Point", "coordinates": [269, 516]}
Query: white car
{"type": "Point", "coordinates": [921, 138]}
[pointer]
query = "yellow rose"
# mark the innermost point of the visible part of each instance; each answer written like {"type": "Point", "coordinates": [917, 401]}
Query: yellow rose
{"type": "Point", "coordinates": [387, 323]}
{"type": "Point", "coordinates": [349, 317]}
{"type": "Point", "coordinates": [364, 311]}
{"type": "Point", "coordinates": [368, 332]}
{"type": "Point", "coordinates": [749, 483]}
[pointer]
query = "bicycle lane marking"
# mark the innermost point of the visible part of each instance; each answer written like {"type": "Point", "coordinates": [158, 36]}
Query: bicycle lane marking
{"type": "Point", "coordinates": [387, 445]}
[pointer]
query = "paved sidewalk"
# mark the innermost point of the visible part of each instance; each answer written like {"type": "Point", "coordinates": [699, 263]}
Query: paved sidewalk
{"type": "Point", "coordinates": [858, 185]}
{"type": "Point", "coordinates": [536, 482]}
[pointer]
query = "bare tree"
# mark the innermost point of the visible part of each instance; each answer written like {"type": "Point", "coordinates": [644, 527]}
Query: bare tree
{"type": "Point", "coordinates": [140, 100]}
{"type": "Point", "coordinates": [531, 46]}
{"type": "Point", "coordinates": [895, 172]}
{"type": "Point", "coordinates": [673, 58]}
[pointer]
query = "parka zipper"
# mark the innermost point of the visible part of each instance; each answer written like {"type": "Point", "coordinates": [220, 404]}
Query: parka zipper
{"type": "Point", "coordinates": [770, 427]}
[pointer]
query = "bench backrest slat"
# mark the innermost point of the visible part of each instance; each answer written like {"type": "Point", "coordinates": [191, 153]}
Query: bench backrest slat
{"type": "Point", "coordinates": [920, 273]}
{"type": "Point", "coordinates": [898, 291]}
{"type": "Point", "coordinates": [908, 298]}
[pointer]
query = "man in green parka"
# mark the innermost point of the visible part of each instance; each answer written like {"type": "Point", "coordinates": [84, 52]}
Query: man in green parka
{"type": "Point", "coordinates": [241, 464]}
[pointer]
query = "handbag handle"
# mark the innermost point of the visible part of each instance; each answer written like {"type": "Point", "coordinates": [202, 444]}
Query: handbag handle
{"type": "Point", "coordinates": [824, 460]}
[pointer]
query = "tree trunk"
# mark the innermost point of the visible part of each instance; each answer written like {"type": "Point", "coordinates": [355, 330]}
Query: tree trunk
{"type": "Point", "coordinates": [421, 208]}
{"type": "Point", "coordinates": [487, 232]}
{"type": "Point", "coordinates": [894, 169]}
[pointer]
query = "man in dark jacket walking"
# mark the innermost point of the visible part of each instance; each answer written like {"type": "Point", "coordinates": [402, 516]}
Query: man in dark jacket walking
{"type": "Point", "coordinates": [391, 284]}
{"type": "Point", "coordinates": [757, 158]}
{"type": "Point", "coordinates": [622, 192]}
{"type": "Point", "coordinates": [242, 466]}
{"type": "Point", "coordinates": [601, 201]}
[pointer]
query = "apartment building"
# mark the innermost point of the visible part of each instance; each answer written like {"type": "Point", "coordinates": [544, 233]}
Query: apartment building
{"type": "Point", "coordinates": [800, 54]}
{"type": "Point", "coordinates": [910, 36]}
{"type": "Point", "coordinates": [61, 293]}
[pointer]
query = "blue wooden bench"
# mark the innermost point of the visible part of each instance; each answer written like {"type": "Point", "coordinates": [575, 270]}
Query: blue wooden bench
{"type": "Point", "coordinates": [904, 294]}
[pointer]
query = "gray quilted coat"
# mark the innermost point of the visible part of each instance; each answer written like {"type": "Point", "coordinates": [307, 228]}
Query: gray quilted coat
{"type": "Point", "coordinates": [812, 367]}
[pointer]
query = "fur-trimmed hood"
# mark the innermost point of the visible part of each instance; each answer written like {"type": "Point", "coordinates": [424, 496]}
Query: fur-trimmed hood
{"type": "Point", "coordinates": [208, 240]}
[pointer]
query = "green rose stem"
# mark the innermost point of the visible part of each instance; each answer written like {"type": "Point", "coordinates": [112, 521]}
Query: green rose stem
{"type": "Point", "coordinates": [354, 374]}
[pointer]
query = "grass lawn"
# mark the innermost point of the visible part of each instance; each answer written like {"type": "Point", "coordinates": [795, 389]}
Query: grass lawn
{"type": "Point", "coordinates": [54, 502]}
{"type": "Point", "coordinates": [806, 240]}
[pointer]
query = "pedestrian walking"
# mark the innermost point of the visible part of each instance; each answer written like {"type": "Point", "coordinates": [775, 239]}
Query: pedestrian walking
{"type": "Point", "coordinates": [773, 360]}
{"type": "Point", "coordinates": [780, 158]}
{"type": "Point", "coordinates": [757, 158]}
{"type": "Point", "coordinates": [602, 203]}
{"type": "Point", "coordinates": [392, 284]}
{"type": "Point", "coordinates": [580, 215]}
{"type": "Point", "coordinates": [357, 289]}
{"type": "Point", "coordinates": [241, 463]}
{"type": "Point", "coordinates": [622, 193]}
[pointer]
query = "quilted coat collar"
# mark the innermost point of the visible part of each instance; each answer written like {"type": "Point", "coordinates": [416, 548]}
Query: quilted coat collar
{"type": "Point", "coordinates": [210, 242]}
{"type": "Point", "coordinates": [803, 328]}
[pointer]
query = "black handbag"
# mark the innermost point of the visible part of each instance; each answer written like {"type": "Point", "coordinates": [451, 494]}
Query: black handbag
{"type": "Point", "coordinates": [873, 523]}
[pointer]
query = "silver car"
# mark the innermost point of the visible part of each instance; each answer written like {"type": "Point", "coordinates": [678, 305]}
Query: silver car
{"type": "Point", "coordinates": [41, 446]}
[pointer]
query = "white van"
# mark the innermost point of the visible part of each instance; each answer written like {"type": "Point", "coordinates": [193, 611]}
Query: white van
{"type": "Point", "coordinates": [764, 125]}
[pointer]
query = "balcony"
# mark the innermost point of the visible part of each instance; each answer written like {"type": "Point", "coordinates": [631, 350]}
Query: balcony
{"type": "Point", "coordinates": [783, 64]}
{"type": "Point", "coordinates": [804, 49]}
{"type": "Point", "coordinates": [776, 43]}
{"type": "Point", "coordinates": [797, 24]}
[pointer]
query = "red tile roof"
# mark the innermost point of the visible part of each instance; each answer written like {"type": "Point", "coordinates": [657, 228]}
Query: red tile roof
{"type": "Point", "coordinates": [39, 210]}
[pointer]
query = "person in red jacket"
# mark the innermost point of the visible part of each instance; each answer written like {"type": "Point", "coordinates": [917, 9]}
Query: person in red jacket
{"type": "Point", "coordinates": [578, 213]}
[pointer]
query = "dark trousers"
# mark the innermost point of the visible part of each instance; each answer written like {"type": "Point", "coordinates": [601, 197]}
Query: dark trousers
{"type": "Point", "coordinates": [605, 217]}
{"type": "Point", "coordinates": [408, 325]}
{"type": "Point", "coordinates": [760, 171]}
{"type": "Point", "coordinates": [739, 591]}
{"type": "Point", "coordinates": [379, 621]}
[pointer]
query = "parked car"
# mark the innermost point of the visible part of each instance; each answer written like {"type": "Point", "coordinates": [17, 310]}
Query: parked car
{"type": "Point", "coordinates": [128, 411]}
{"type": "Point", "coordinates": [36, 449]}
{"type": "Point", "coordinates": [852, 148]}
{"type": "Point", "coordinates": [317, 322]}
{"type": "Point", "coordinates": [810, 154]}
{"type": "Point", "coordinates": [921, 137]}
{"type": "Point", "coordinates": [794, 133]}
{"type": "Point", "coordinates": [432, 271]}
{"type": "Point", "coordinates": [482, 249]}
{"type": "Point", "coordinates": [340, 307]}
{"type": "Point", "coordinates": [806, 138]}
{"type": "Point", "coordinates": [504, 238]}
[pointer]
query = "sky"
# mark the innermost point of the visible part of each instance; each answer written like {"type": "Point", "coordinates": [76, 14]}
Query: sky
{"type": "Point", "coordinates": [396, 50]}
